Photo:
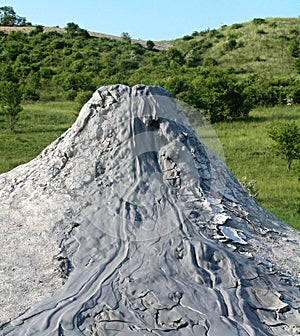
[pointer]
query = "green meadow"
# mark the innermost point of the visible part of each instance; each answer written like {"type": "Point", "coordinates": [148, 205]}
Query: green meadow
{"type": "Point", "coordinates": [247, 151]}
{"type": "Point", "coordinates": [39, 124]}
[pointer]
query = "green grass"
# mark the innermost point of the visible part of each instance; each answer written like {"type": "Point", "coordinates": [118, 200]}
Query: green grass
{"type": "Point", "coordinates": [245, 144]}
{"type": "Point", "coordinates": [39, 124]}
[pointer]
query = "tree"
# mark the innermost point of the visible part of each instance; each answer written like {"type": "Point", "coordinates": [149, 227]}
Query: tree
{"type": "Point", "coordinates": [74, 30]}
{"type": "Point", "coordinates": [175, 55]}
{"type": "Point", "coordinates": [219, 95]}
{"type": "Point", "coordinates": [286, 139]}
{"type": "Point", "coordinates": [32, 87]}
{"type": "Point", "coordinates": [150, 45]}
{"type": "Point", "coordinates": [126, 37]}
{"type": "Point", "coordinates": [8, 17]}
{"type": "Point", "coordinates": [10, 102]}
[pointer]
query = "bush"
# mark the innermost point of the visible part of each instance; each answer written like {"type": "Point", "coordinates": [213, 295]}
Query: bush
{"type": "Point", "coordinates": [219, 96]}
{"type": "Point", "coordinates": [267, 92]}
{"type": "Point", "coordinates": [150, 45]}
{"type": "Point", "coordinates": [175, 55]}
{"type": "Point", "coordinates": [187, 38]}
{"type": "Point", "coordinates": [250, 187]}
{"type": "Point", "coordinates": [237, 26]}
{"type": "Point", "coordinates": [209, 62]}
{"type": "Point", "coordinates": [230, 45]}
{"type": "Point", "coordinates": [273, 24]}
{"type": "Point", "coordinates": [294, 48]}
{"type": "Point", "coordinates": [261, 32]}
{"type": "Point", "coordinates": [297, 65]}
{"type": "Point", "coordinates": [176, 85]}
{"type": "Point", "coordinates": [37, 30]}
{"type": "Point", "coordinates": [258, 21]}
{"type": "Point", "coordinates": [126, 37]}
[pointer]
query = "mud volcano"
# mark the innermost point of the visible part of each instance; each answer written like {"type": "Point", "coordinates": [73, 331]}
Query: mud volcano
{"type": "Point", "coordinates": [128, 225]}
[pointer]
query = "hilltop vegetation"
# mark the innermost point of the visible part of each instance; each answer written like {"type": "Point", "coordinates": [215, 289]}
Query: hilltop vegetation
{"type": "Point", "coordinates": [223, 72]}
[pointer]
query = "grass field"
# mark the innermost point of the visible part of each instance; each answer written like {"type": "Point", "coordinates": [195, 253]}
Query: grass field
{"type": "Point", "coordinates": [245, 145]}
{"type": "Point", "coordinates": [39, 124]}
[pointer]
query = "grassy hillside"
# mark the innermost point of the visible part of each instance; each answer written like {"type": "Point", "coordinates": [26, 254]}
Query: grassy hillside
{"type": "Point", "coordinates": [261, 46]}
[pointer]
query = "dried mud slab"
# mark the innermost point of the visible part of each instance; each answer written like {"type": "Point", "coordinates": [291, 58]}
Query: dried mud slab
{"type": "Point", "coordinates": [128, 225]}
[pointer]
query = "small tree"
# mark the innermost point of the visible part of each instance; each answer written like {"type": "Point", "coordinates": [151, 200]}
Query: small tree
{"type": "Point", "coordinates": [74, 30]}
{"type": "Point", "coordinates": [126, 37]}
{"type": "Point", "coordinates": [10, 102]}
{"type": "Point", "coordinates": [175, 55]}
{"type": "Point", "coordinates": [286, 139]}
{"type": "Point", "coordinates": [8, 17]}
{"type": "Point", "coordinates": [150, 45]}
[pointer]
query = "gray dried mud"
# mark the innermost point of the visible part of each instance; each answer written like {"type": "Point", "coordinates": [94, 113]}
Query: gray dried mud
{"type": "Point", "coordinates": [128, 225]}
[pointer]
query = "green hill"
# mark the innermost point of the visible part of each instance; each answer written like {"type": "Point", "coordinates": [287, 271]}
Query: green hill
{"type": "Point", "coordinates": [59, 63]}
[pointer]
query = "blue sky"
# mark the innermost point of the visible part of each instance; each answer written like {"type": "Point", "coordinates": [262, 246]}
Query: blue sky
{"type": "Point", "coordinates": [150, 19]}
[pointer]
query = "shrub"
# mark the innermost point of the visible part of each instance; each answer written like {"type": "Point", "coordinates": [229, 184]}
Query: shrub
{"type": "Point", "coordinates": [176, 85]}
{"type": "Point", "coordinates": [192, 58]}
{"type": "Point", "coordinates": [150, 45]}
{"type": "Point", "coordinates": [10, 102]}
{"type": "Point", "coordinates": [295, 32]}
{"type": "Point", "coordinates": [250, 187]}
{"type": "Point", "coordinates": [74, 30]}
{"type": "Point", "coordinates": [261, 32]}
{"type": "Point", "coordinates": [294, 48]}
{"type": "Point", "coordinates": [219, 96]}
{"type": "Point", "coordinates": [230, 45]}
{"type": "Point", "coordinates": [236, 26]}
{"type": "Point", "coordinates": [209, 61]}
{"type": "Point", "coordinates": [37, 30]}
{"type": "Point", "coordinates": [258, 21]}
{"type": "Point", "coordinates": [187, 38]}
{"type": "Point", "coordinates": [126, 37]}
{"type": "Point", "coordinates": [297, 65]}
{"type": "Point", "coordinates": [175, 55]}
{"type": "Point", "coordinates": [273, 24]}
